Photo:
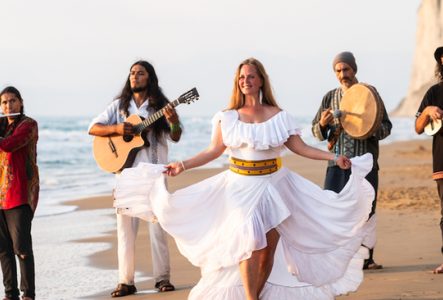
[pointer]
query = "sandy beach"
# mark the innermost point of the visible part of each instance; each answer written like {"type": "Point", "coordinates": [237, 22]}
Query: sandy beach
{"type": "Point", "coordinates": [75, 253]}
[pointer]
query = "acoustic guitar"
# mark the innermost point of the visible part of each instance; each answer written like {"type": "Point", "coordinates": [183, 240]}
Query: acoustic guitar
{"type": "Point", "coordinates": [433, 127]}
{"type": "Point", "coordinates": [115, 152]}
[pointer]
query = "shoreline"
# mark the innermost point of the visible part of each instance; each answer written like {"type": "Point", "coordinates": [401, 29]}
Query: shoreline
{"type": "Point", "coordinates": [408, 232]}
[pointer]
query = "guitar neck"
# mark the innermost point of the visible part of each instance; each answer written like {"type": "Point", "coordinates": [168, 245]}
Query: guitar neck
{"type": "Point", "coordinates": [152, 118]}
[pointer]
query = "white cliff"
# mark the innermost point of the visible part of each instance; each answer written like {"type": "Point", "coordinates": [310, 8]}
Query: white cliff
{"type": "Point", "coordinates": [429, 36]}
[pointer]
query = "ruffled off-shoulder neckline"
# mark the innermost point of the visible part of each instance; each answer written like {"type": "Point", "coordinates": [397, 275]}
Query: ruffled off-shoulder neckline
{"type": "Point", "coordinates": [271, 133]}
{"type": "Point", "coordinates": [257, 123]}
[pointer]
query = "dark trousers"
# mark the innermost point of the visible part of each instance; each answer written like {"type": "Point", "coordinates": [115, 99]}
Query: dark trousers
{"type": "Point", "coordinates": [15, 239]}
{"type": "Point", "coordinates": [440, 194]}
{"type": "Point", "coordinates": [336, 179]}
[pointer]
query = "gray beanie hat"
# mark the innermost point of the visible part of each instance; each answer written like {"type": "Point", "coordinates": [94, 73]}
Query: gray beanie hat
{"type": "Point", "coordinates": [347, 58]}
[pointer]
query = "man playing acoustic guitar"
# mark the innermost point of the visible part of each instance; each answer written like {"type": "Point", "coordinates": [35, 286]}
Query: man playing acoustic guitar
{"type": "Point", "coordinates": [142, 96]}
{"type": "Point", "coordinates": [431, 112]}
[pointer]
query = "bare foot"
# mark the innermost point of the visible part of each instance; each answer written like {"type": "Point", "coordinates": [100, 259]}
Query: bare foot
{"type": "Point", "coordinates": [438, 270]}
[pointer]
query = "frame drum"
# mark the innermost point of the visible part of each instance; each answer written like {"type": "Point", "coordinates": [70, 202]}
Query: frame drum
{"type": "Point", "coordinates": [361, 111]}
{"type": "Point", "coordinates": [433, 127]}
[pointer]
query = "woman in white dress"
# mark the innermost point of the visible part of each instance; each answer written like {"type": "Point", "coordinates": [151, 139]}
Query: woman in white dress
{"type": "Point", "coordinates": [230, 225]}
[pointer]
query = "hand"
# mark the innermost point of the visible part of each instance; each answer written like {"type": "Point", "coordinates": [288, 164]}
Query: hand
{"type": "Point", "coordinates": [326, 118]}
{"type": "Point", "coordinates": [125, 128]}
{"type": "Point", "coordinates": [170, 114]}
{"type": "Point", "coordinates": [174, 168]}
{"type": "Point", "coordinates": [343, 162]}
{"type": "Point", "coordinates": [434, 112]}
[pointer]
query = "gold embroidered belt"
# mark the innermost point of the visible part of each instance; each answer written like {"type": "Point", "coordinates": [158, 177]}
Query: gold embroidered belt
{"type": "Point", "coordinates": [254, 167]}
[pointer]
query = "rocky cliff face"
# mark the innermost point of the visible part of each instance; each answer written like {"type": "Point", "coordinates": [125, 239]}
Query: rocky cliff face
{"type": "Point", "coordinates": [429, 36]}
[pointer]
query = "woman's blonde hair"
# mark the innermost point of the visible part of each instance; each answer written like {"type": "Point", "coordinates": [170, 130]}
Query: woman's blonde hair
{"type": "Point", "coordinates": [237, 97]}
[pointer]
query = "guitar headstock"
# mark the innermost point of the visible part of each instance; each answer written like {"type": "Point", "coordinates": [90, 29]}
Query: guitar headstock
{"type": "Point", "coordinates": [189, 96]}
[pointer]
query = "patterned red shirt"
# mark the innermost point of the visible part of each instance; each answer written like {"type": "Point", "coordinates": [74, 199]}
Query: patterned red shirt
{"type": "Point", "coordinates": [19, 179]}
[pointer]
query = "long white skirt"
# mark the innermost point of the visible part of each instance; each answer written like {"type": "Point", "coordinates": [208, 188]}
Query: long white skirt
{"type": "Point", "coordinates": [219, 221]}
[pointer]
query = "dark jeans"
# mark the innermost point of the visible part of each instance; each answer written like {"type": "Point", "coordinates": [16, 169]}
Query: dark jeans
{"type": "Point", "coordinates": [336, 179]}
{"type": "Point", "coordinates": [440, 194]}
{"type": "Point", "coordinates": [15, 239]}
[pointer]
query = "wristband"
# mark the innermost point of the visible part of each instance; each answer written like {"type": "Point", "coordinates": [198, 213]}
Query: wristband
{"type": "Point", "coordinates": [183, 165]}
{"type": "Point", "coordinates": [175, 127]}
{"type": "Point", "coordinates": [336, 158]}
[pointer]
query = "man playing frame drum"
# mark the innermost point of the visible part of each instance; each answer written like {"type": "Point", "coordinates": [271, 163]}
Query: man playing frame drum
{"type": "Point", "coordinates": [344, 108]}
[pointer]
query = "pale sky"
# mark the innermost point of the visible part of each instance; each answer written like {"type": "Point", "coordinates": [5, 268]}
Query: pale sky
{"type": "Point", "coordinates": [72, 57]}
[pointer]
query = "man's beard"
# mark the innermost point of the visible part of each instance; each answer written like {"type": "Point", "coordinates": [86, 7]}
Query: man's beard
{"type": "Point", "coordinates": [138, 89]}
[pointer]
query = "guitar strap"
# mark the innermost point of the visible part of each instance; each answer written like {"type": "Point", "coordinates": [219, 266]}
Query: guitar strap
{"type": "Point", "coordinates": [338, 138]}
{"type": "Point", "coordinates": [154, 151]}
{"type": "Point", "coordinates": [337, 128]}
{"type": "Point", "coordinates": [153, 143]}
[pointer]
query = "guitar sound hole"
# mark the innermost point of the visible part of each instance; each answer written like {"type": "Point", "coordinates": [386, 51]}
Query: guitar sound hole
{"type": "Point", "coordinates": [128, 138]}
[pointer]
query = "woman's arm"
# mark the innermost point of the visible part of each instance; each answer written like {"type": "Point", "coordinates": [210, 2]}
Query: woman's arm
{"type": "Point", "coordinates": [214, 150]}
{"type": "Point", "coordinates": [296, 145]}
{"type": "Point", "coordinates": [430, 112]}
{"type": "Point", "coordinates": [26, 132]}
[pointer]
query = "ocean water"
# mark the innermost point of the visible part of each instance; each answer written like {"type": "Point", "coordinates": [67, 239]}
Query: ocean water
{"type": "Point", "coordinates": [68, 170]}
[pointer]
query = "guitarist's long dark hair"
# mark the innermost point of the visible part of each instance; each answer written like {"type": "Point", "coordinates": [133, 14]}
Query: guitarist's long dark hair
{"type": "Point", "coordinates": [4, 121]}
{"type": "Point", "coordinates": [156, 98]}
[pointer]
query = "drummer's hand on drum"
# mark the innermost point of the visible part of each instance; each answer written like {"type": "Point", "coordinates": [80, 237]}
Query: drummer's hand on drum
{"type": "Point", "coordinates": [343, 162]}
{"type": "Point", "coordinates": [326, 118]}
{"type": "Point", "coordinates": [434, 112]}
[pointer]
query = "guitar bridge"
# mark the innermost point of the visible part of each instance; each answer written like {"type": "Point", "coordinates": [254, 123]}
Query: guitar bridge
{"type": "Point", "coordinates": [112, 147]}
